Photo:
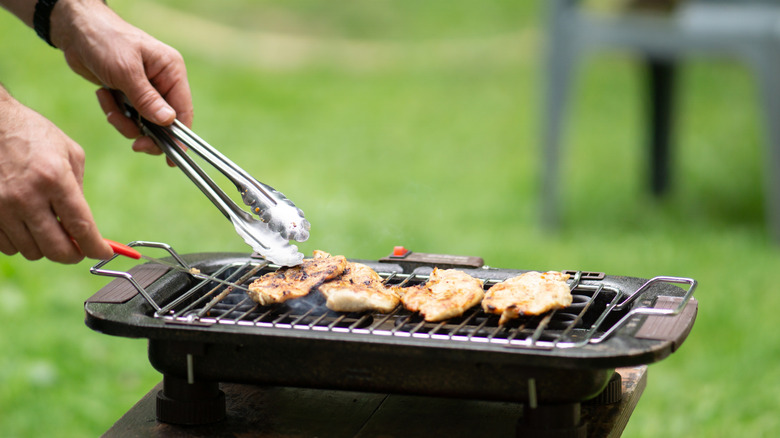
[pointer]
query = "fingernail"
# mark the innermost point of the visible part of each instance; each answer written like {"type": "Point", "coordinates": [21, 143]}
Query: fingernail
{"type": "Point", "coordinates": [165, 114]}
{"type": "Point", "coordinates": [113, 117]}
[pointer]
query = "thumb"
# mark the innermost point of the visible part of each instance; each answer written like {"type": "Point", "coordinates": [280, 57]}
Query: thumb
{"type": "Point", "coordinates": [150, 104]}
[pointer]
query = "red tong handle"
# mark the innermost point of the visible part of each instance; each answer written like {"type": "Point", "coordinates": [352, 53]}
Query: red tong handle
{"type": "Point", "coordinates": [124, 250]}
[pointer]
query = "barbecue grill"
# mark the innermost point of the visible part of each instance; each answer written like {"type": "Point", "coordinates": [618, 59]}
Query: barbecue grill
{"type": "Point", "coordinates": [203, 329]}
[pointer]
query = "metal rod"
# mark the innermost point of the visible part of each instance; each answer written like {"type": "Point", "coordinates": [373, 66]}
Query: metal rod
{"type": "Point", "coordinates": [281, 317]}
{"type": "Point", "coordinates": [237, 283]}
{"type": "Point", "coordinates": [317, 321]}
{"type": "Point", "coordinates": [541, 327]}
{"type": "Point", "coordinates": [248, 312]}
{"type": "Point", "coordinates": [190, 369]}
{"type": "Point", "coordinates": [260, 318]}
{"type": "Point", "coordinates": [357, 323]}
{"type": "Point", "coordinates": [399, 325]}
{"type": "Point", "coordinates": [495, 331]}
{"type": "Point", "coordinates": [437, 328]}
{"type": "Point", "coordinates": [420, 325]}
{"type": "Point", "coordinates": [579, 317]}
{"type": "Point", "coordinates": [298, 319]}
{"type": "Point", "coordinates": [338, 320]}
{"type": "Point", "coordinates": [385, 318]}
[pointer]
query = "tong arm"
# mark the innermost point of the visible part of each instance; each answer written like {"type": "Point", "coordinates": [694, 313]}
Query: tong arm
{"type": "Point", "coordinates": [269, 204]}
{"type": "Point", "coordinates": [280, 220]}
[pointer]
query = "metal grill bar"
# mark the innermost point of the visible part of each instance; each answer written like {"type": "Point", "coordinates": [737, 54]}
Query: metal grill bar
{"type": "Point", "coordinates": [568, 330]}
{"type": "Point", "coordinates": [384, 319]}
{"type": "Point", "coordinates": [228, 289]}
{"type": "Point", "coordinates": [192, 293]}
{"type": "Point", "coordinates": [248, 312]}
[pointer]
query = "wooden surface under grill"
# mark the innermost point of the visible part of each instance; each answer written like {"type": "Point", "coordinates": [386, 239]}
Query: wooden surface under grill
{"type": "Point", "coordinates": [292, 412]}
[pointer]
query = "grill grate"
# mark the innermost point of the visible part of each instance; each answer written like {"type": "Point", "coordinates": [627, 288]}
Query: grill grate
{"type": "Point", "coordinates": [211, 302]}
{"type": "Point", "coordinates": [599, 308]}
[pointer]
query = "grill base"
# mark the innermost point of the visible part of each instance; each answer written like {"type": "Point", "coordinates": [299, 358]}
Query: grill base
{"type": "Point", "coordinates": [374, 368]}
{"type": "Point", "coordinates": [278, 411]}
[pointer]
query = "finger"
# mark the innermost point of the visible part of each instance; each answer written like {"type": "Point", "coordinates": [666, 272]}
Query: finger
{"type": "Point", "coordinates": [115, 116]}
{"type": "Point", "coordinates": [23, 241]}
{"type": "Point", "coordinates": [107, 100]}
{"type": "Point", "coordinates": [149, 103]}
{"type": "Point", "coordinates": [17, 237]}
{"type": "Point", "coordinates": [38, 231]}
{"type": "Point", "coordinates": [47, 238]}
{"type": "Point", "coordinates": [168, 75]}
{"type": "Point", "coordinates": [126, 126]}
{"type": "Point", "coordinates": [57, 246]}
{"type": "Point", "coordinates": [6, 247]}
{"type": "Point", "coordinates": [146, 145]}
{"type": "Point", "coordinates": [76, 221]}
{"type": "Point", "coordinates": [180, 98]}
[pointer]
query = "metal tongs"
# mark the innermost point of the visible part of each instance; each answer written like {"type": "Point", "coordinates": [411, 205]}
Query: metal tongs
{"type": "Point", "coordinates": [279, 219]}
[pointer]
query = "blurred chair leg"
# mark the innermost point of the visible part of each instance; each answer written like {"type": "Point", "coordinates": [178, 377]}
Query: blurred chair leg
{"type": "Point", "coordinates": [661, 90]}
{"type": "Point", "coordinates": [767, 65]}
{"type": "Point", "coordinates": [561, 60]}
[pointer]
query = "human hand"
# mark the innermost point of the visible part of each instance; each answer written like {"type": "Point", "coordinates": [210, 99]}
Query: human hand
{"type": "Point", "coordinates": [108, 51]}
{"type": "Point", "coordinates": [43, 212]}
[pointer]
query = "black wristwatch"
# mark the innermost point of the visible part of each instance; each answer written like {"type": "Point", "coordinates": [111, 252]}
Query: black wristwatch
{"type": "Point", "coordinates": [42, 19]}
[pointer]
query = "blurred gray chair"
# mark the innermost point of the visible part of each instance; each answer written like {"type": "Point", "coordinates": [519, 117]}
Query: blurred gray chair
{"type": "Point", "coordinates": [744, 30]}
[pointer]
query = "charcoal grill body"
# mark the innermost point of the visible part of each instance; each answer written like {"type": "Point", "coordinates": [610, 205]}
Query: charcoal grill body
{"type": "Point", "coordinates": [202, 350]}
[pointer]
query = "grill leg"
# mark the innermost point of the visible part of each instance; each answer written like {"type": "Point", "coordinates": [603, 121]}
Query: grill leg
{"type": "Point", "coordinates": [190, 404]}
{"type": "Point", "coordinates": [552, 421]}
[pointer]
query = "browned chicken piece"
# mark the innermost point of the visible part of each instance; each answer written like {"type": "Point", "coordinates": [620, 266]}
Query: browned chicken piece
{"type": "Point", "coordinates": [531, 293]}
{"type": "Point", "coordinates": [447, 294]}
{"type": "Point", "coordinates": [359, 289]}
{"type": "Point", "coordinates": [296, 281]}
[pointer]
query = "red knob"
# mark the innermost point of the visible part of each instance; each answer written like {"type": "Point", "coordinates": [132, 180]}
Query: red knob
{"type": "Point", "coordinates": [399, 251]}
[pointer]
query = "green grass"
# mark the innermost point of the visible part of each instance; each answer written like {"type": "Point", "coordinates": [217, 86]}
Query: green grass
{"type": "Point", "coordinates": [412, 123]}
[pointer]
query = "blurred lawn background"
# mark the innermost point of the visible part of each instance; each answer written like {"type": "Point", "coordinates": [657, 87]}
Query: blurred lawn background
{"type": "Point", "coordinates": [408, 123]}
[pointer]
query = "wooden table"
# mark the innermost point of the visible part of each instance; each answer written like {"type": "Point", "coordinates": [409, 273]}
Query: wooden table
{"type": "Point", "coordinates": [255, 411]}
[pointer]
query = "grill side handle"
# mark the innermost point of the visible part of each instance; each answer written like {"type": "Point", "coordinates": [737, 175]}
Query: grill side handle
{"type": "Point", "coordinates": [128, 284]}
{"type": "Point", "coordinates": [676, 330]}
{"type": "Point", "coordinates": [666, 307]}
{"type": "Point", "coordinates": [132, 276]}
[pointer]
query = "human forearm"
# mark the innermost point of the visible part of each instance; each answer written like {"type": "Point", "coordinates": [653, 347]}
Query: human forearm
{"type": "Point", "coordinates": [24, 9]}
{"type": "Point", "coordinates": [63, 12]}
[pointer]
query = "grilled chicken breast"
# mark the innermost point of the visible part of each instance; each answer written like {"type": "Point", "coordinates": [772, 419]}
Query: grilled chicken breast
{"type": "Point", "coordinates": [531, 293]}
{"type": "Point", "coordinates": [296, 281]}
{"type": "Point", "coordinates": [359, 289]}
{"type": "Point", "coordinates": [447, 294]}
